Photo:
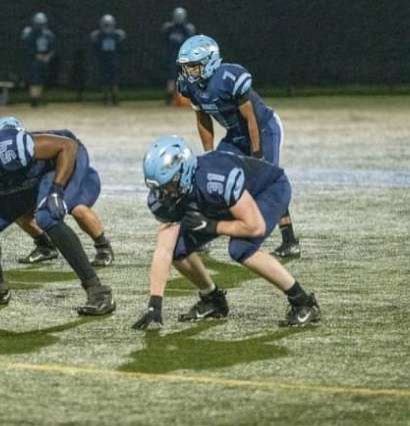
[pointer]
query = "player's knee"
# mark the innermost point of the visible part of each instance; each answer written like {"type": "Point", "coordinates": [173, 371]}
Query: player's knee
{"type": "Point", "coordinates": [80, 212]}
{"type": "Point", "coordinates": [44, 219]}
{"type": "Point", "coordinates": [241, 250]}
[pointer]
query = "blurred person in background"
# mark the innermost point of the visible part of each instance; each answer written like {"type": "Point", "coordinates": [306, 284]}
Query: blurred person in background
{"type": "Point", "coordinates": [39, 44]}
{"type": "Point", "coordinates": [108, 45]}
{"type": "Point", "coordinates": [176, 32]}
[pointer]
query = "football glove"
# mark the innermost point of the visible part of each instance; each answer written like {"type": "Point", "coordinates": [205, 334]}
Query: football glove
{"type": "Point", "coordinates": [152, 318]}
{"type": "Point", "coordinates": [55, 202]}
{"type": "Point", "coordinates": [195, 221]}
{"type": "Point", "coordinates": [258, 154]}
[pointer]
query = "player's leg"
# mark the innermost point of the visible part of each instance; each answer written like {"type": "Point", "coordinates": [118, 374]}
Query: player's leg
{"type": "Point", "coordinates": [212, 301]}
{"type": "Point", "coordinates": [99, 297]}
{"type": "Point", "coordinates": [271, 141]}
{"type": "Point", "coordinates": [11, 207]}
{"type": "Point", "coordinates": [83, 199]}
{"type": "Point", "coordinates": [91, 224]}
{"type": "Point", "coordinates": [303, 306]}
{"type": "Point", "coordinates": [44, 248]}
{"type": "Point", "coordinates": [5, 294]}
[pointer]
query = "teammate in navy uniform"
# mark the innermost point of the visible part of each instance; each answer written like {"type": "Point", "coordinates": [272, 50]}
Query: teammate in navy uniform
{"type": "Point", "coordinates": [224, 92]}
{"type": "Point", "coordinates": [175, 32]}
{"type": "Point", "coordinates": [87, 219]}
{"type": "Point", "coordinates": [40, 47]}
{"type": "Point", "coordinates": [200, 198]}
{"type": "Point", "coordinates": [51, 175]}
{"type": "Point", "coordinates": [108, 46]}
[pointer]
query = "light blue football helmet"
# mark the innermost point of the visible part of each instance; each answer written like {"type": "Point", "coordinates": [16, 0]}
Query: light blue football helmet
{"type": "Point", "coordinates": [10, 123]}
{"type": "Point", "coordinates": [199, 50]}
{"type": "Point", "coordinates": [169, 160]}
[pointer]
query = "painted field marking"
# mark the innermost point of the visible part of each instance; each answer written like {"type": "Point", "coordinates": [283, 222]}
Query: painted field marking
{"type": "Point", "coordinates": [236, 383]}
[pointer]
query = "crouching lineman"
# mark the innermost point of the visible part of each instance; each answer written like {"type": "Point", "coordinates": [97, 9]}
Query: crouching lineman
{"type": "Point", "coordinates": [51, 175]}
{"type": "Point", "coordinates": [87, 220]}
{"type": "Point", "coordinates": [199, 198]}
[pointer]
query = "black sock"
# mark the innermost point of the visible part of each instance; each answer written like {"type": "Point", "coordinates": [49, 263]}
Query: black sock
{"type": "Point", "coordinates": [155, 302]}
{"type": "Point", "coordinates": [101, 241]}
{"type": "Point", "coordinates": [288, 236]}
{"type": "Point", "coordinates": [296, 294]}
{"type": "Point", "coordinates": [70, 247]}
{"type": "Point", "coordinates": [43, 241]}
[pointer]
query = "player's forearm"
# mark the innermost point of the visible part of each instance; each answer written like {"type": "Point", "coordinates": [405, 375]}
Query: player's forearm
{"type": "Point", "coordinates": [206, 132]}
{"type": "Point", "coordinates": [253, 130]}
{"type": "Point", "coordinates": [1, 270]}
{"type": "Point", "coordinates": [160, 267]}
{"type": "Point", "coordinates": [65, 162]}
{"type": "Point", "coordinates": [238, 228]}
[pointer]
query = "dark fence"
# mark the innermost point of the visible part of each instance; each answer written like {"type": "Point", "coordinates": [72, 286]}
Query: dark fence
{"type": "Point", "coordinates": [282, 42]}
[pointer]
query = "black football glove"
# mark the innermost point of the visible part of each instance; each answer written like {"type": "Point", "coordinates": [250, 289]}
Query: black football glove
{"type": "Point", "coordinates": [258, 154]}
{"type": "Point", "coordinates": [55, 202]}
{"type": "Point", "coordinates": [152, 318]}
{"type": "Point", "coordinates": [195, 221]}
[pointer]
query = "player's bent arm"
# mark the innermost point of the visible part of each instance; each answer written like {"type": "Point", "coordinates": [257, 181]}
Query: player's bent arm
{"type": "Point", "coordinates": [247, 112]}
{"type": "Point", "coordinates": [205, 130]}
{"type": "Point", "coordinates": [248, 220]}
{"type": "Point", "coordinates": [63, 150]}
{"type": "Point", "coordinates": [163, 257]}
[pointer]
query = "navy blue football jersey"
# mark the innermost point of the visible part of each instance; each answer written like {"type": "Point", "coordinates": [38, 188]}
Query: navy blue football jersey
{"type": "Point", "coordinates": [19, 170]}
{"type": "Point", "coordinates": [108, 44]}
{"type": "Point", "coordinates": [176, 34]}
{"type": "Point", "coordinates": [38, 41]}
{"type": "Point", "coordinates": [229, 86]}
{"type": "Point", "coordinates": [219, 182]}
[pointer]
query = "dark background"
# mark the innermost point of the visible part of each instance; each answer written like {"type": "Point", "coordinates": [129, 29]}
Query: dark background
{"type": "Point", "coordinates": [282, 42]}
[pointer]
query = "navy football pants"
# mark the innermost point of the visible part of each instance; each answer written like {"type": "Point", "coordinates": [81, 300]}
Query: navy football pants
{"type": "Point", "coordinates": [273, 203]}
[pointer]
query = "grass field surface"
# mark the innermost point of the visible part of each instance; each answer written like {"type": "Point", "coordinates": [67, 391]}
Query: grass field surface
{"type": "Point", "coordinates": [349, 161]}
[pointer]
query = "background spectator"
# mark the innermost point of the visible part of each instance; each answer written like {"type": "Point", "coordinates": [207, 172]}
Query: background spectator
{"type": "Point", "coordinates": [176, 32]}
{"type": "Point", "coordinates": [40, 48]}
{"type": "Point", "coordinates": [108, 43]}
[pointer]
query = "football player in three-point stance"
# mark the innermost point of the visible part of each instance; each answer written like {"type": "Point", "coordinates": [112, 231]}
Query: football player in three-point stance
{"type": "Point", "coordinates": [51, 175]}
{"type": "Point", "coordinates": [200, 198]}
{"type": "Point", "coordinates": [87, 219]}
{"type": "Point", "coordinates": [224, 92]}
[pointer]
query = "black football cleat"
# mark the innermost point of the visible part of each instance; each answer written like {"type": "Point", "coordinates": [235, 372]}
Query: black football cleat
{"type": "Point", "coordinates": [5, 296]}
{"type": "Point", "coordinates": [99, 302]}
{"type": "Point", "coordinates": [104, 255]}
{"type": "Point", "coordinates": [39, 254]}
{"type": "Point", "coordinates": [213, 305]}
{"type": "Point", "coordinates": [302, 315]}
{"type": "Point", "coordinates": [288, 250]}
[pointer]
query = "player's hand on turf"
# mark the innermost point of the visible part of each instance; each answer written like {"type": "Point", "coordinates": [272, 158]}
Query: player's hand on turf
{"type": "Point", "coordinates": [152, 318]}
{"type": "Point", "coordinates": [55, 202]}
{"type": "Point", "coordinates": [195, 221]}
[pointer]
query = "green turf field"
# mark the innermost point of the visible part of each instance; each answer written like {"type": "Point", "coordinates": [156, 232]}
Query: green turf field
{"type": "Point", "coordinates": [349, 161]}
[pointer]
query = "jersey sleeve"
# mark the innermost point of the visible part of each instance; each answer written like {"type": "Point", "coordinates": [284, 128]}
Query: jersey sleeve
{"type": "Point", "coordinates": [94, 36]}
{"type": "Point", "coordinates": [122, 35]}
{"type": "Point", "coordinates": [225, 185]}
{"type": "Point", "coordinates": [25, 34]}
{"type": "Point", "coordinates": [16, 150]}
{"type": "Point", "coordinates": [190, 29]}
{"type": "Point", "coordinates": [237, 81]}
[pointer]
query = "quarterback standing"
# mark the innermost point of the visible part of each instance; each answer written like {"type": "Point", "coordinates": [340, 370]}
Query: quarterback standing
{"type": "Point", "coordinates": [223, 92]}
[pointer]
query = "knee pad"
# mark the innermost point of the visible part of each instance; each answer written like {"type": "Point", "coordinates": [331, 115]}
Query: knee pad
{"type": "Point", "coordinates": [240, 250]}
{"type": "Point", "coordinates": [44, 219]}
